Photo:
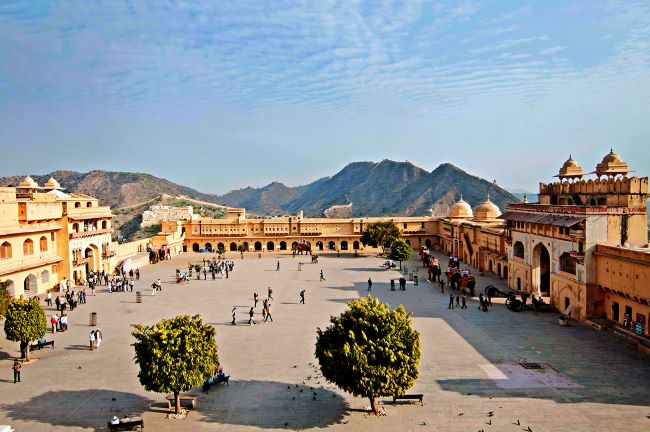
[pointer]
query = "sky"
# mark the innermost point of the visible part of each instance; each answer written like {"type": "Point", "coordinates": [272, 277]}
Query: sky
{"type": "Point", "coordinates": [218, 95]}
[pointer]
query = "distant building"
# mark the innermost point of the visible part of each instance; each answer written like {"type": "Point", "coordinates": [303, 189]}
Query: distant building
{"type": "Point", "coordinates": [159, 213]}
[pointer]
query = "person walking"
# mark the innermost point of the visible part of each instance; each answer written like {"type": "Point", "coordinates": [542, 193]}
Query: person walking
{"type": "Point", "coordinates": [234, 311]}
{"type": "Point", "coordinates": [48, 299]}
{"type": "Point", "coordinates": [268, 312]}
{"type": "Point", "coordinates": [322, 278]}
{"type": "Point", "coordinates": [154, 288]}
{"type": "Point", "coordinates": [55, 321]}
{"type": "Point", "coordinates": [480, 300]}
{"type": "Point", "coordinates": [270, 294]}
{"type": "Point", "coordinates": [277, 267]}
{"type": "Point", "coordinates": [369, 284]}
{"type": "Point", "coordinates": [464, 301]}
{"type": "Point", "coordinates": [256, 298]}
{"type": "Point", "coordinates": [91, 339]}
{"type": "Point", "coordinates": [451, 301]}
{"type": "Point", "coordinates": [98, 338]}
{"type": "Point", "coordinates": [251, 313]}
{"type": "Point", "coordinates": [131, 284]}
{"type": "Point", "coordinates": [302, 297]}
{"type": "Point", "coordinates": [17, 366]}
{"type": "Point", "coordinates": [457, 301]}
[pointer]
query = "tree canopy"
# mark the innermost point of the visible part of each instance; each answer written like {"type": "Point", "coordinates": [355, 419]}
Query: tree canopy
{"type": "Point", "coordinates": [400, 251]}
{"type": "Point", "coordinates": [175, 354]}
{"type": "Point", "coordinates": [370, 350]}
{"type": "Point", "coordinates": [25, 322]}
{"type": "Point", "coordinates": [382, 234]}
{"type": "Point", "coordinates": [4, 297]}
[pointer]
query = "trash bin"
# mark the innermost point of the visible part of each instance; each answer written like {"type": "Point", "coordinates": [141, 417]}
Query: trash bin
{"type": "Point", "coordinates": [415, 280]}
{"type": "Point", "coordinates": [93, 319]}
{"type": "Point", "coordinates": [392, 284]}
{"type": "Point", "coordinates": [138, 297]}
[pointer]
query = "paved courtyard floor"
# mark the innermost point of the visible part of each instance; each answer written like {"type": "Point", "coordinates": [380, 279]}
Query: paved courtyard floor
{"type": "Point", "coordinates": [469, 366]}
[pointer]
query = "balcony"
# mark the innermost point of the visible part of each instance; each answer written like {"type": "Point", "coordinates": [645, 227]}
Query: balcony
{"type": "Point", "coordinates": [108, 254]}
{"type": "Point", "coordinates": [90, 233]}
{"type": "Point", "coordinates": [578, 256]}
{"type": "Point", "coordinates": [80, 261]}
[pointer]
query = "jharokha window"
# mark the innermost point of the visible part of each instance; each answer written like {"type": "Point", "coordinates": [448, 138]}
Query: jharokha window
{"type": "Point", "coordinates": [5, 250]}
{"type": "Point", "coordinates": [518, 250]}
{"type": "Point", "coordinates": [28, 247]}
{"type": "Point", "coordinates": [43, 244]}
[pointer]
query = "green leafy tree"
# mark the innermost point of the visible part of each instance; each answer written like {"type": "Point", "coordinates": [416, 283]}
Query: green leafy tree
{"type": "Point", "coordinates": [25, 322]}
{"type": "Point", "coordinates": [400, 251]}
{"type": "Point", "coordinates": [370, 350]}
{"type": "Point", "coordinates": [220, 251]}
{"type": "Point", "coordinates": [175, 355]}
{"type": "Point", "coordinates": [241, 248]}
{"type": "Point", "coordinates": [198, 268]}
{"type": "Point", "coordinates": [5, 298]}
{"type": "Point", "coordinates": [381, 234]}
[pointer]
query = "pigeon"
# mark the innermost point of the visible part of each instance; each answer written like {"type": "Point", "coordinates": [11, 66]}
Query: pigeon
{"type": "Point", "coordinates": [489, 423]}
{"type": "Point", "coordinates": [314, 398]}
{"type": "Point", "coordinates": [423, 424]}
{"type": "Point", "coordinates": [286, 423]}
{"type": "Point", "coordinates": [490, 414]}
{"type": "Point", "coordinates": [529, 429]}
{"type": "Point", "coordinates": [518, 424]}
{"type": "Point", "coordinates": [461, 414]}
{"type": "Point", "coordinates": [296, 385]}
{"type": "Point", "coordinates": [315, 394]}
{"type": "Point", "coordinates": [295, 366]}
{"type": "Point", "coordinates": [346, 421]}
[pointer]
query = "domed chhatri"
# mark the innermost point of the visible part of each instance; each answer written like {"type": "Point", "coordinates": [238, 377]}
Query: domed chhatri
{"type": "Point", "coordinates": [28, 183]}
{"type": "Point", "coordinates": [570, 170]}
{"type": "Point", "coordinates": [612, 165]}
{"type": "Point", "coordinates": [52, 184]}
{"type": "Point", "coordinates": [486, 210]}
{"type": "Point", "coordinates": [461, 210]}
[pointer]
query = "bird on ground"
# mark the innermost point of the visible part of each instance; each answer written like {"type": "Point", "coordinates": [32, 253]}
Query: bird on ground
{"type": "Point", "coordinates": [518, 424]}
{"type": "Point", "coordinates": [529, 429]}
{"type": "Point", "coordinates": [489, 422]}
{"type": "Point", "coordinates": [490, 414]}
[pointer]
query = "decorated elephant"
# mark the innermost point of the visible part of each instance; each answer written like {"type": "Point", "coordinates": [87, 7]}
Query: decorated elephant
{"type": "Point", "coordinates": [469, 283]}
{"type": "Point", "coordinates": [434, 272]}
{"type": "Point", "coordinates": [453, 278]}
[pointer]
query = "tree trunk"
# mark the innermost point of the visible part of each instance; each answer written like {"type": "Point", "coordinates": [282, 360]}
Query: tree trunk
{"type": "Point", "coordinates": [27, 352]}
{"type": "Point", "coordinates": [177, 402]}
{"type": "Point", "coordinates": [373, 406]}
{"type": "Point", "coordinates": [400, 265]}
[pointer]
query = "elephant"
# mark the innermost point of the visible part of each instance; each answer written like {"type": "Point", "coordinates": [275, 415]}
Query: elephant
{"type": "Point", "coordinates": [453, 277]}
{"type": "Point", "coordinates": [469, 283]}
{"type": "Point", "coordinates": [434, 272]}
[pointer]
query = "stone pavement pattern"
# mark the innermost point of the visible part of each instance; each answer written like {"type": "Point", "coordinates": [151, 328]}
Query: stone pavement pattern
{"type": "Point", "coordinates": [468, 367]}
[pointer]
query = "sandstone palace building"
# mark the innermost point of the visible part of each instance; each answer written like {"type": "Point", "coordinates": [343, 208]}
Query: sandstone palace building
{"type": "Point", "coordinates": [584, 244]}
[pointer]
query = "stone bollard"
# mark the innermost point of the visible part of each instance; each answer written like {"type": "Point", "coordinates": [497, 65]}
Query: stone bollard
{"type": "Point", "coordinates": [392, 284]}
{"type": "Point", "coordinates": [138, 297]}
{"type": "Point", "coordinates": [299, 266]}
{"type": "Point", "coordinates": [93, 319]}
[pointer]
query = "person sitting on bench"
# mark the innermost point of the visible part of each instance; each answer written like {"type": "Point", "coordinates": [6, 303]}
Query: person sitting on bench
{"type": "Point", "coordinates": [42, 341]}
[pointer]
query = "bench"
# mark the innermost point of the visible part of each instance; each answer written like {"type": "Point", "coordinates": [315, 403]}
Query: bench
{"type": "Point", "coordinates": [411, 396]}
{"type": "Point", "coordinates": [207, 385]}
{"type": "Point", "coordinates": [126, 425]}
{"type": "Point", "coordinates": [40, 346]}
{"type": "Point", "coordinates": [191, 399]}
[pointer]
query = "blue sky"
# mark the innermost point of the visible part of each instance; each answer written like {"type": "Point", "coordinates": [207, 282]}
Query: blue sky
{"type": "Point", "coordinates": [219, 95]}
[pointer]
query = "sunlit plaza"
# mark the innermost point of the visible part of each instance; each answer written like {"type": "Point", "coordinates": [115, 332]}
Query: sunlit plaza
{"type": "Point", "coordinates": [470, 364]}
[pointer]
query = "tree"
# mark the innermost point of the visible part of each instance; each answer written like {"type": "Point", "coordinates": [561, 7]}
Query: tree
{"type": "Point", "coordinates": [25, 322]}
{"type": "Point", "coordinates": [220, 251]}
{"type": "Point", "coordinates": [400, 251]}
{"type": "Point", "coordinates": [5, 298]}
{"type": "Point", "coordinates": [175, 355]}
{"type": "Point", "coordinates": [241, 248]}
{"type": "Point", "coordinates": [380, 234]}
{"type": "Point", "coordinates": [369, 350]}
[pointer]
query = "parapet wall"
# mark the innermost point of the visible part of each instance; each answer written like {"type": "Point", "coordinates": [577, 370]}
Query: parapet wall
{"type": "Point", "coordinates": [625, 185]}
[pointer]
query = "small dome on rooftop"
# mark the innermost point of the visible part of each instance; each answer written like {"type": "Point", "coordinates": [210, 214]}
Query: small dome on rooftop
{"type": "Point", "coordinates": [28, 183]}
{"type": "Point", "coordinates": [486, 210]}
{"type": "Point", "coordinates": [570, 169]}
{"type": "Point", "coordinates": [461, 210]}
{"type": "Point", "coordinates": [52, 184]}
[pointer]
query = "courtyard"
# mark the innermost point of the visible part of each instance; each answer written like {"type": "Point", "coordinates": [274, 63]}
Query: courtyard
{"type": "Point", "coordinates": [470, 362]}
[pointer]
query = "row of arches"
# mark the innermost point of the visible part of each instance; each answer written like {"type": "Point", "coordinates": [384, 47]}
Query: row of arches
{"type": "Point", "coordinates": [6, 250]}
{"type": "Point", "coordinates": [272, 246]}
{"type": "Point", "coordinates": [30, 284]}
{"type": "Point", "coordinates": [76, 227]}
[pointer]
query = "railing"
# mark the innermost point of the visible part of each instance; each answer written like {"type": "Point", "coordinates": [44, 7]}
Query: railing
{"type": "Point", "coordinates": [90, 232]}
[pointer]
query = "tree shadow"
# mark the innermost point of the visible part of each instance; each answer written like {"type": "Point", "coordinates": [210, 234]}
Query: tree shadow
{"type": "Point", "coordinates": [81, 408]}
{"type": "Point", "coordinates": [378, 269]}
{"type": "Point", "coordinates": [272, 405]}
{"type": "Point", "coordinates": [77, 348]}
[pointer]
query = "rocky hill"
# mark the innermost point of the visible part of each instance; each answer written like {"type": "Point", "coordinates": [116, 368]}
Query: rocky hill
{"type": "Point", "coordinates": [374, 189]}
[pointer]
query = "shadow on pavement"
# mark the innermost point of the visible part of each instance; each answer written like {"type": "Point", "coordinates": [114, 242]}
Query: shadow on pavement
{"type": "Point", "coordinates": [82, 408]}
{"type": "Point", "coordinates": [272, 405]}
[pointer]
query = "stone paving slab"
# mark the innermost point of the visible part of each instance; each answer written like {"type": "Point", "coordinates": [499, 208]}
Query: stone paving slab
{"type": "Point", "coordinates": [71, 388]}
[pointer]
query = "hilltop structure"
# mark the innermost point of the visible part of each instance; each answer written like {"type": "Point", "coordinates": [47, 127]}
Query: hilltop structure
{"type": "Point", "coordinates": [159, 213]}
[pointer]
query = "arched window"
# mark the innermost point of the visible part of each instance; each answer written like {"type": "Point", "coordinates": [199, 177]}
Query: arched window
{"type": "Point", "coordinates": [195, 247]}
{"type": "Point", "coordinates": [28, 247]}
{"type": "Point", "coordinates": [5, 250]}
{"type": "Point", "coordinates": [567, 264]}
{"type": "Point", "coordinates": [233, 246]}
{"type": "Point", "coordinates": [43, 244]}
{"type": "Point", "coordinates": [89, 204]}
{"type": "Point", "coordinates": [518, 250]}
{"type": "Point", "coordinates": [45, 276]}
{"type": "Point", "coordinates": [77, 205]}
{"type": "Point", "coordinates": [344, 245]}
{"type": "Point", "coordinates": [104, 225]}
{"type": "Point", "coordinates": [75, 227]}
{"type": "Point", "coordinates": [355, 245]}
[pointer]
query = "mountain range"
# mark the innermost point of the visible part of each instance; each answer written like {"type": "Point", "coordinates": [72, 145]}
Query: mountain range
{"type": "Point", "coordinates": [360, 189]}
